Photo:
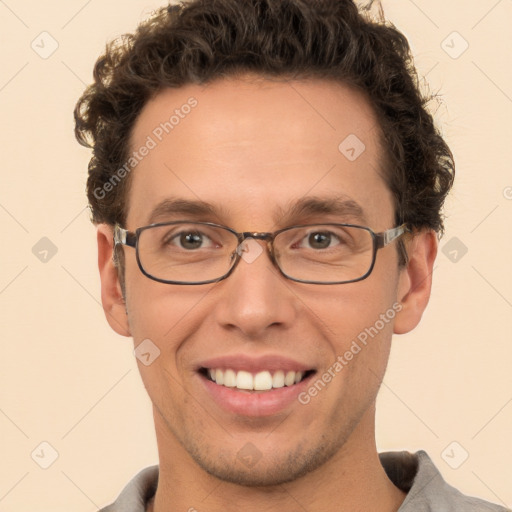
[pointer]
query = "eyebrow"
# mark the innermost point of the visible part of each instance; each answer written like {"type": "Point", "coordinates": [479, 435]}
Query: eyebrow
{"type": "Point", "coordinates": [341, 207]}
{"type": "Point", "coordinates": [176, 207]}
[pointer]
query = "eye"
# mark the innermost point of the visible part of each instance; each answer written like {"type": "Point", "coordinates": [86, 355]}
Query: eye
{"type": "Point", "coordinates": [319, 240]}
{"type": "Point", "coordinates": [188, 240]}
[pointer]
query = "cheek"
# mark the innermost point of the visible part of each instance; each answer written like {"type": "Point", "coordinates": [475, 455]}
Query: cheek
{"type": "Point", "coordinates": [161, 320]}
{"type": "Point", "coordinates": [159, 311]}
{"type": "Point", "coordinates": [358, 371]}
{"type": "Point", "coordinates": [358, 324]}
{"type": "Point", "coordinates": [166, 318]}
{"type": "Point", "coordinates": [344, 312]}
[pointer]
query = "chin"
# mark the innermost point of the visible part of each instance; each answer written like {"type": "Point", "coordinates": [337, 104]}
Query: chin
{"type": "Point", "coordinates": [250, 467]}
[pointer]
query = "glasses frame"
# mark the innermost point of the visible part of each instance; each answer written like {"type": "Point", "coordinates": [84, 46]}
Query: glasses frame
{"type": "Point", "coordinates": [131, 239]}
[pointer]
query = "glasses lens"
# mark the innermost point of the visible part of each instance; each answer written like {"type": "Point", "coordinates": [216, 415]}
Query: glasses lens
{"type": "Point", "coordinates": [197, 252]}
{"type": "Point", "coordinates": [186, 252]}
{"type": "Point", "coordinates": [325, 253]}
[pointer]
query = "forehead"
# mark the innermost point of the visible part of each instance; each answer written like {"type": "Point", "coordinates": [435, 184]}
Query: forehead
{"type": "Point", "coordinates": [251, 145]}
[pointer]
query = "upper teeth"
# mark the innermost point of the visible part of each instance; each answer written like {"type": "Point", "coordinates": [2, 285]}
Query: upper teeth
{"type": "Point", "coordinates": [259, 382]}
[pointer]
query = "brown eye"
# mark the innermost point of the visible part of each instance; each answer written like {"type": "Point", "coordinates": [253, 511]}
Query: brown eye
{"type": "Point", "coordinates": [186, 240]}
{"type": "Point", "coordinates": [320, 240]}
{"type": "Point", "coordinates": [191, 240]}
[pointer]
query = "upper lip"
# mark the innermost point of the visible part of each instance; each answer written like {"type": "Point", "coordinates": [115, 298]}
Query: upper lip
{"type": "Point", "coordinates": [238, 362]}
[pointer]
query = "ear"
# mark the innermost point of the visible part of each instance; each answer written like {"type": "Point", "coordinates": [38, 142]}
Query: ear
{"type": "Point", "coordinates": [111, 294]}
{"type": "Point", "coordinates": [415, 281]}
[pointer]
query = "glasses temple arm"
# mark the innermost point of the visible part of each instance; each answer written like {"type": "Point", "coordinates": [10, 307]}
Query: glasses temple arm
{"type": "Point", "coordinates": [388, 236]}
{"type": "Point", "coordinates": [124, 237]}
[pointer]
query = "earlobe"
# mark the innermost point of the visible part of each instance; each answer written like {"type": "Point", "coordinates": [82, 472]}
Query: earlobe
{"type": "Point", "coordinates": [111, 295]}
{"type": "Point", "coordinates": [415, 281]}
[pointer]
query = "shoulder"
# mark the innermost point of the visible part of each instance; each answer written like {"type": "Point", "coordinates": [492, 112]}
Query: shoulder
{"type": "Point", "coordinates": [426, 489]}
{"type": "Point", "coordinates": [137, 492]}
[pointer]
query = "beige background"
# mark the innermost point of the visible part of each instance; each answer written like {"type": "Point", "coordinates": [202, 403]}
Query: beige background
{"type": "Point", "coordinates": [68, 380]}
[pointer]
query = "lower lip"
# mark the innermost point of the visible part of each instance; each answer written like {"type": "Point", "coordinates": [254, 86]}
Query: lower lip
{"type": "Point", "coordinates": [255, 404]}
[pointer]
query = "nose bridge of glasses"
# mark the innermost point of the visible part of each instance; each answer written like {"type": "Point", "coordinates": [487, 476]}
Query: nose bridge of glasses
{"type": "Point", "coordinates": [253, 235]}
{"type": "Point", "coordinates": [257, 235]}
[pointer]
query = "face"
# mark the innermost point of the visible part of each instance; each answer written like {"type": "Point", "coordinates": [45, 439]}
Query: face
{"type": "Point", "coordinates": [252, 149]}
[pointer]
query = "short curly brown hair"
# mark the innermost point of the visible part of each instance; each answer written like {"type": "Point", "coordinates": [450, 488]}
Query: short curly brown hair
{"type": "Point", "coordinates": [203, 40]}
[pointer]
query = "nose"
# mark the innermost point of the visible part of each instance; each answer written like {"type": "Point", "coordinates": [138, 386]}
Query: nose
{"type": "Point", "coordinates": [255, 297]}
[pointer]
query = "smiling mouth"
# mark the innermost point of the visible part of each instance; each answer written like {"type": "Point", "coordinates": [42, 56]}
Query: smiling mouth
{"type": "Point", "coordinates": [262, 381]}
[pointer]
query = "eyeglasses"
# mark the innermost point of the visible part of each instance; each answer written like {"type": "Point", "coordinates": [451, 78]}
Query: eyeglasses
{"type": "Point", "coordinates": [184, 252]}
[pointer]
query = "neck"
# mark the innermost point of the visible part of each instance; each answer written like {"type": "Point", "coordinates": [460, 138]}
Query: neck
{"type": "Point", "coordinates": [351, 480]}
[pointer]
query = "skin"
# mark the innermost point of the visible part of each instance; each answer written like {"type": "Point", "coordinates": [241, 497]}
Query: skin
{"type": "Point", "coordinates": [249, 147]}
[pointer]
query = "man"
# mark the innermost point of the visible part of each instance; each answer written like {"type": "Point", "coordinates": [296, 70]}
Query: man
{"type": "Point", "coordinates": [267, 186]}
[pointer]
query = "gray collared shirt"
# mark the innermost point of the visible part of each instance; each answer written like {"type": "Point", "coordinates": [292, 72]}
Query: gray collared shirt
{"type": "Point", "coordinates": [413, 473]}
